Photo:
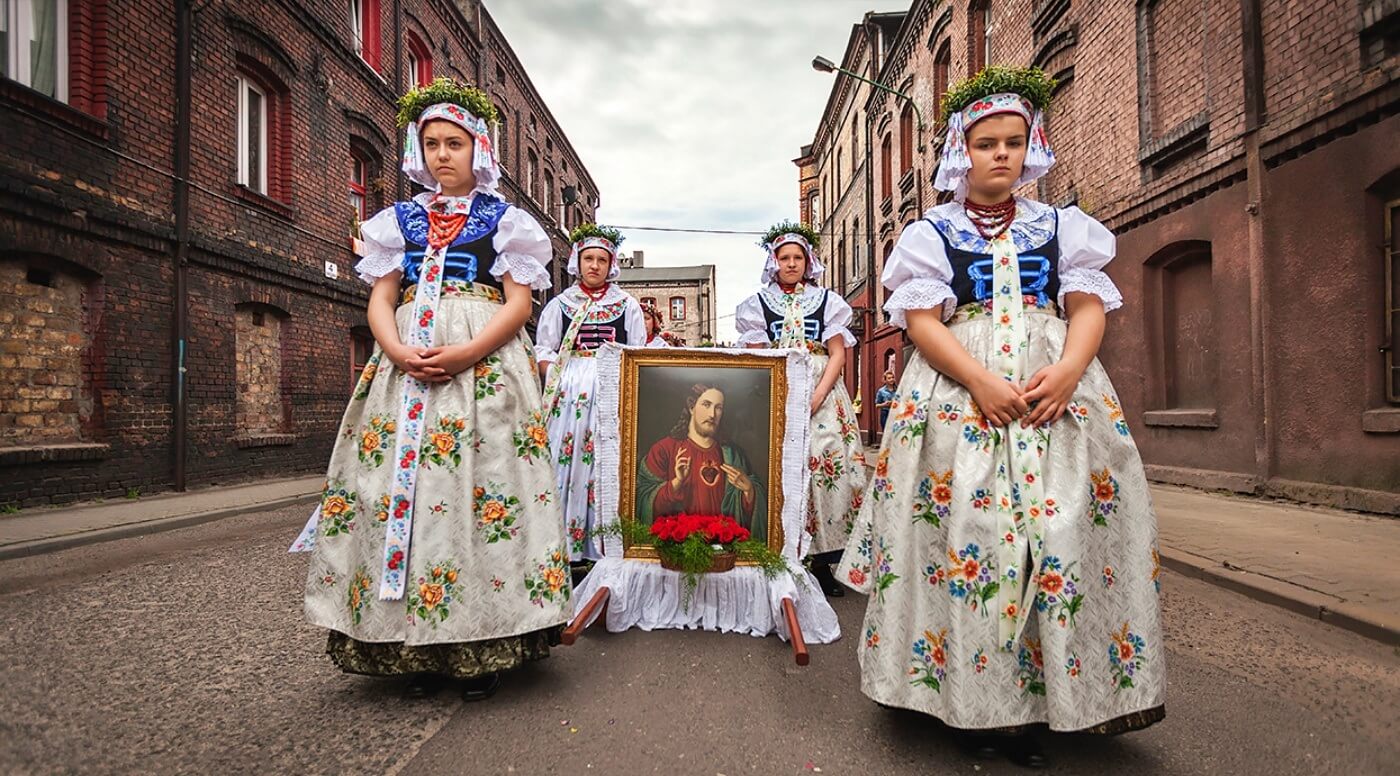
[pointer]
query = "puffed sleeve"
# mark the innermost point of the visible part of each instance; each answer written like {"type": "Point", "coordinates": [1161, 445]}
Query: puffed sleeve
{"type": "Point", "coordinates": [750, 323]}
{"type": "Point", "coordinates": [383, 246]}
{"type": "Point", "coordinates": [838, 319]}
{"type": "Point", "coordinates": [636, 322]}
{"type": "Point", "coordinates": [918, 274]}
{"type": "Point", "coordinates": [549, 334]}
{"type": "Point", "coordinates": [1086, 247]}
{"type": "Point", "coordinates": [522, 249]}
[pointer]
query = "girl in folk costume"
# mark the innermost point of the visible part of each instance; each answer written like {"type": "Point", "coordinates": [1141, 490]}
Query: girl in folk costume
{"type": "Point", "coordinates": [791, 311]}
{"type": "Point", "coordinates": [1007, 540]}
{"type": "Point", "coordinates": [572, 327]}
{"type": "Point", "coordinates": [438, 550]}
{"type": "Point", "coordinates": [656, 338]}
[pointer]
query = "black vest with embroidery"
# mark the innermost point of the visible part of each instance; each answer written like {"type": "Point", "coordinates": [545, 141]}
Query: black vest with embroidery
{"type": "Point", "coordinates": [972, 271]}
{"type": "Point", "coordinates": [813, 323]}
{"type": "Point", "coordinates": [469, 257]}
{"type": "Point", "coordinates": [605, 323]}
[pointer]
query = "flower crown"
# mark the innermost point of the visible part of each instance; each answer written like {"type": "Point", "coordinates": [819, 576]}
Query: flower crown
{"type": "Point", "coordinates": [584, 231]}
{"type": "Point", "coordinates": [790, 227]}
{"type": "Point", "coordinates": [1030, 83]}
{"type": "Point", "coordinates": [448, 90]}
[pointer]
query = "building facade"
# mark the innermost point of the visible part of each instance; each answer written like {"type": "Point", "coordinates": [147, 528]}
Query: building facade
{"type": "Point", "coordinates": [684, 295]}
{"type": "Point", "coordinates": [178, 190]}
{"type": "Point", "coordinates": [1244, 153]}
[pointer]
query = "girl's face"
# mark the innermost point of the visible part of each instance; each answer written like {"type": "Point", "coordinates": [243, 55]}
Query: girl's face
{"type": "Point", "coordinates": [653, 325]}
{"type": "Point", "coordinates": [792, 264]}
{"type": "Point", "coordinates": [593, 266]}
{"type": "Point", "coordinates": [997, 147]}
{"type": "Point", "coordinates": [447, 150]}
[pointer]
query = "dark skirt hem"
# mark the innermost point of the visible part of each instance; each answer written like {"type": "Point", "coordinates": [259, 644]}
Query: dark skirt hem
{"type": "Point", "coordinates": [460, 661]}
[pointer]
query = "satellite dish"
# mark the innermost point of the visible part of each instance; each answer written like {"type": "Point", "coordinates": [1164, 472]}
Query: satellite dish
{"type": "Point", "coordinates": [570, 195]}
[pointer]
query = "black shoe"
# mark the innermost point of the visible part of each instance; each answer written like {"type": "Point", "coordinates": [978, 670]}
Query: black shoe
{"type": "Point", "coordinates": [1024, 750]}
{"type": "Point", "coordinates": [479, 688]}
{"type": "Point", "coordinates": [423, 685]}
{"type": "Point", "coordinates": [979, 745]}
{"type": "Point", "coordinates": [827, 580]}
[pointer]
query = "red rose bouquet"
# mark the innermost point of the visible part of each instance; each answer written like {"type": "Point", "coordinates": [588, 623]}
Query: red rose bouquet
{"type": "Point", "coordinates": [700, 544]}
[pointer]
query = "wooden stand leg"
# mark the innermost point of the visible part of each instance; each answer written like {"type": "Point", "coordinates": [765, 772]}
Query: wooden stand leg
{"type": "Point", "coordinates": [599, 600]}
{"type": "Point", "coordinates": [799, 647]}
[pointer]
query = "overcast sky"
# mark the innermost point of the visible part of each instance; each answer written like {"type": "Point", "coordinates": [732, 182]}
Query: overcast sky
{"type": "Point", "coordinates": [687, 114]}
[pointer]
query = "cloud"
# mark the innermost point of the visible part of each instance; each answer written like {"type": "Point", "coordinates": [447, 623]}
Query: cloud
{"type": "Point", "coordinates": [686, 114]}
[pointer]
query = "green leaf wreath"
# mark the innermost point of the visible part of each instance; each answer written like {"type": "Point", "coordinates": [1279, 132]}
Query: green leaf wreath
{"type": "Point", "coordinates": [1029, 82]}
{"type": "Point", "coordinates": [584, 231]}
{"type": "Point", "coordinates": [790, 227]}
{"type": "Point", "coordinates": [444, 89]}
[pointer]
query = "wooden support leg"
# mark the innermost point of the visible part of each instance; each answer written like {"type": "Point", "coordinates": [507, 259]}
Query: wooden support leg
{"type": "Point", "coordinates": [799, 647]}
{"type": "Point", "coordinates": [599, 601]}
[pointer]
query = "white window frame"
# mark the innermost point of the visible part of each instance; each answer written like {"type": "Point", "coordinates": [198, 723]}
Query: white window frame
{"type": "Point", "coordinates": [414, 65]}
{"type": "Point", "coordinates": [684, 308]}
{"type": "Point", "coordinates": [244, 174]}
{"type": "Point", "coordinates": [357, 26]}
{"type": "Point", "coordinates": [19, 14]}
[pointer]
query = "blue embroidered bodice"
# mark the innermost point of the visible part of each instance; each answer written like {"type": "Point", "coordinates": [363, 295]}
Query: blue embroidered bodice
{"type": "Point", "coordinates": [469, 257]}
{"type": "Point", "coordinates": [1037, 246]}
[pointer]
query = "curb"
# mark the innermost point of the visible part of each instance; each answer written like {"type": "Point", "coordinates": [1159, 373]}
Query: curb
{"type": "Point", "coordinates": [145, 527]}
{"type": "Point", "coordinates": [1317, 606]}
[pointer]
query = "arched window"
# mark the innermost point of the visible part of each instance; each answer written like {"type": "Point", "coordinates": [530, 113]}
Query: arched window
{"type": "Point", "coordinates": [906, 140]}
{"type": "Point", "coordinates": [420, 60]}
{"type": "Point", "coordinates": [886, 184]}
{"type": "Point", "coordinates": [979, 24]}
{"type": "Point", "coordinates": [364, 30]}
{"type": "Point", "coordinates": [262, 135]}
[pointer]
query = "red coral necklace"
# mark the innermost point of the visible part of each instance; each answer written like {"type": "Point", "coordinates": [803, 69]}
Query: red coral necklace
{"type": "Point", "coordinates": [991, 220]}
{"type": "Point", "coordinates": [595, 295]}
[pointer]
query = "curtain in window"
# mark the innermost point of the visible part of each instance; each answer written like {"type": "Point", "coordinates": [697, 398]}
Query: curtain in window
{"type": "Point", "coordinates": [43, 48]}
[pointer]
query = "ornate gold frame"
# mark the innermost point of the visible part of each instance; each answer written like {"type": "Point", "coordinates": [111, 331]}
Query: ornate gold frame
{"type": "Point", "coordinates": [632, 362]}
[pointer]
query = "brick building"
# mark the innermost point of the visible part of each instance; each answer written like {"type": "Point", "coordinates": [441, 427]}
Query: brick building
{"type": "Point", "coordinates": [1245, 155]}
{"type": "Point", "coordinates": [684, 295]}
{"type": "Point", "coordinates": [178, 189]}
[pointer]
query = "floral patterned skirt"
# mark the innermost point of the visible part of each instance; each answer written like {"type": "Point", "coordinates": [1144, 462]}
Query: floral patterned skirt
{"type": "Point", "coordinates": [837, 464]}
{"type": "Point", "coordinates": [459, 661]}
{"type": "Point", "coordinates": [571, 447]}
{"type": "Point", "coordinates": [488, 558]}
{"type": "Point", "coordinates": [1091, 655]}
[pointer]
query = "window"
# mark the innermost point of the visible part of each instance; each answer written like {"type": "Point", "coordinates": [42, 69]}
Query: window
{"type": "Point", "coordinates": [1180, 308]}
{"type": "Point", "coordinates": [252, 135]}
{"type": "Point", "coordinates": [359, 179]}
{"type": "Point", "coordinates": [34, 45]}
{"type": "Point", "coordinates": [420, 61]}
{"type": "Point", "coordinates": [531, 170]}
{"type": "Point", "coordinates": [885, 183]}
{"type": "Point", "coordinates": [502, 135]}
{"type": "Point", "coordinates": [855, 138]}
{"type": "Point", "coordinates": [677, 308]}
{"type": "Point", "coordinates": [979, 45]}
{"type": "Point", "coordinates": [259, 409]}
{"type": "Point", "coordinates": [906, 140]}
{"type": "Point", "coordinates": [942, 71]}
{"type": "Point", "coordinates": [854, 273]}
{"type": "Point", "coordinates": [361, 349]}
{"type": "Point", "coordinates": [649, 301]}
{"type": "Point", "coordinates": [549, 193]}
{"type": "Point", "coordinates": [837, 173]}
{"type": "Point", "coordinates": [364, 30]}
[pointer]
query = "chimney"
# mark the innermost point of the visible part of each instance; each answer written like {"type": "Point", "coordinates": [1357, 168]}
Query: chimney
{"type": "Point", "coordinates": [637, 258]}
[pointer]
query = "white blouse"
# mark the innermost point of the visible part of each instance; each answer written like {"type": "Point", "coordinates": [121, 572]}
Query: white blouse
{"type": "Point", "coordinates": [549, 335]}
{"type": "Point", "coordinates": [522, 247]}
{"type": "Point", "coordinates": [753, 326]}
{"type": "Point", "coordinates": [919, 275]}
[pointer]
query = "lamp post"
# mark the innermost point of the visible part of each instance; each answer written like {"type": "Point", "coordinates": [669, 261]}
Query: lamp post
{"type": "Point", "coordinates": [823, 65]}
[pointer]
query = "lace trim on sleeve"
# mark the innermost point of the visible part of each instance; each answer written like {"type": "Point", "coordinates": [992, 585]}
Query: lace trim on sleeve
{"type": "Point", "coordinates": [1090, 281]}
{"type": "Point", "coordinates": [920, 294]}
{"type": "Point", "coordinates": [753, 337]}
{"type": "Point", "coordinates": [377, 264]}
{"type": "Point", "coordinates": [523, 268]}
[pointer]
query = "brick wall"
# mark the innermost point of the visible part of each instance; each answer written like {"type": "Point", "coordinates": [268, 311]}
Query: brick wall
{"type": "Point", "coordinates": [87, 193]}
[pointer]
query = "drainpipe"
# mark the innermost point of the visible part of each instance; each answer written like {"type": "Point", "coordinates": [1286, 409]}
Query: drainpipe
{"type": "Point", "coordinates": [872, 282]}
{"type": "Point", "coordinates": [184, 24]}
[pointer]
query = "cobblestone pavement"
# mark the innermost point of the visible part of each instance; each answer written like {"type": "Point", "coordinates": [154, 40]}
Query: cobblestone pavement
{"type": "Point", "coordinates": [185, 652]}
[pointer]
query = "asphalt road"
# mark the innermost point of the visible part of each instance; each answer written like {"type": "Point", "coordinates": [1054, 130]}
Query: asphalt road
{"type": "Point", "coordinates": [185, 652]}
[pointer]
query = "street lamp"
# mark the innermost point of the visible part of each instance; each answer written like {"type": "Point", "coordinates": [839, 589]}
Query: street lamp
{"type": "Point", "coordinates": [823, 65]}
